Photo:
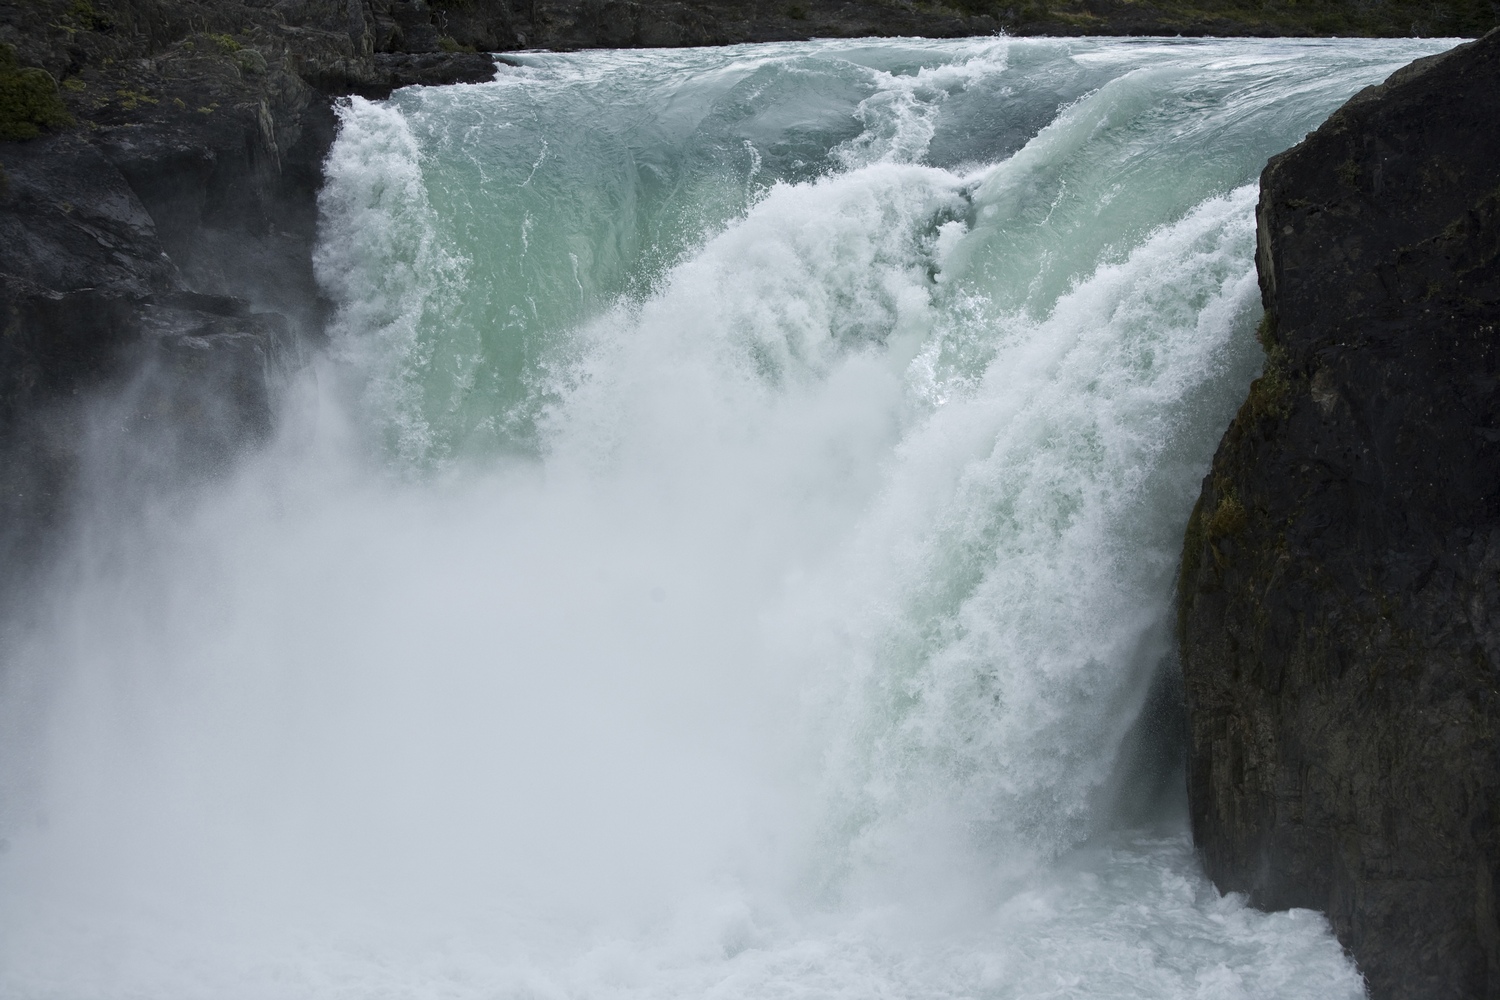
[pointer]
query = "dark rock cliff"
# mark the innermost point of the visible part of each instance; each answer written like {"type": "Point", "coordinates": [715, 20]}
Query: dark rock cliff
{"type": "Point", "coordinates": [1340, 589]}
{"type": "Point", "coordinates": [156, 237]}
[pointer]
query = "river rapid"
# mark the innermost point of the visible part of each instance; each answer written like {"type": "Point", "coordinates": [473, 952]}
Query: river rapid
{"type": "Point", "coordinates": [726, 551]}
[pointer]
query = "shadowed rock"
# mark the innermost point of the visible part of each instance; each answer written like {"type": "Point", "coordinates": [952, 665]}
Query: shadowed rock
{"type": "Point", "coordinates": [1340, 588]}
{"type": "Point", "coordinates": [156, 282]}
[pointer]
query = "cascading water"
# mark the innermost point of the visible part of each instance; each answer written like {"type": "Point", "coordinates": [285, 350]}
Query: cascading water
{"type": "Point", "coordinates": [725, 553]}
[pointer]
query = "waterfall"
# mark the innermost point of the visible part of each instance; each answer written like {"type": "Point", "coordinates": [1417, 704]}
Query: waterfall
{"type": "Point", "coordinates": [725, 550]}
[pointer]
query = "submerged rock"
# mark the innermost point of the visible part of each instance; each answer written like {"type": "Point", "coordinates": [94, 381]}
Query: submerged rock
{"type": "Point", "coordinates": [1340, 592]}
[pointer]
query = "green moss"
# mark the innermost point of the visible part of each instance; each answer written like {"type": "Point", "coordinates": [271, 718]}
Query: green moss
{"type": "Point", "coordinates": [1265, 334]}
{"type": "Point", "coordinates": [226, 43]}
{"type": "Point", "coordinates": [449, 44]}
{"type": "Point", "coordinates": [132, 99]}
{"type": "Point", "coordinates": [1084, 20]}
{"type": "Point", "coordinates": [1187, 573]}
{"type": "Point", "coordinates": [1203, 534]}
{"type": "Point", "coordinates": [1229, 517]}
{"type": "Point", "coordinates": [81, 14]}
{"type": "Point", "coordinates": [1270, 395]}
{"type": "Point", "coordinates": [29, 101]}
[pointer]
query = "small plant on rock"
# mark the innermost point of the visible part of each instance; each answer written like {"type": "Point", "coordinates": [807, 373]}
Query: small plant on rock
{"type": "Point", "coordinates": [29, 101]}
{"type": "Point", "coordinates": [81, 14]}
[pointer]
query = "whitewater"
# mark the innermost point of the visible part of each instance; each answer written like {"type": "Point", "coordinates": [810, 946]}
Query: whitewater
{"type": "Point", "coordinates": [725, 549]}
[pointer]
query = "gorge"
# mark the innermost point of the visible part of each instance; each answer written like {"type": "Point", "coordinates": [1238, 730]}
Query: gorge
{"type": "Point", "coordinates": [679, 523]}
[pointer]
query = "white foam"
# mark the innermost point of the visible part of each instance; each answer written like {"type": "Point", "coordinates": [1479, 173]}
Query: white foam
{"type": "Point", "coordinates": [382, 260]}
{"type": "Point", "coordinates": [796, 658]}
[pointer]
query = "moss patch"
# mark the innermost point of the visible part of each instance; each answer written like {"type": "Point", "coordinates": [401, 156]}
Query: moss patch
{"type": "Point", "coordinates": [132, 99]}
{"type": "Point", "coordinates": [81, 14]}
{"type": "Point", "coordinates": [1187, 573]}
{"type": "Point", "coordinates": [1265, 333]}
{"type": "Point", "coordinates": [29, 101]}
{"type": "Point", "coordinates": [1229, 517]}
{"type": "Point", "coordinates": [1270, 394]}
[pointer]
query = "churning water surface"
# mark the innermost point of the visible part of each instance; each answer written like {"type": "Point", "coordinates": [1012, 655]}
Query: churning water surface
{"type": "Point", "coordinates": [725, 552]}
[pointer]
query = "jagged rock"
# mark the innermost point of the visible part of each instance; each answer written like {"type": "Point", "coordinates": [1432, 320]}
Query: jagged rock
{"type": "Point", "coordinates": [1339, 598]}
{"type": "Point", "coordinates": [402, 69]}
{"type": "Point", "coordinates": [90, 303]}
{"type": "Point", "coordinates": [156, 260]}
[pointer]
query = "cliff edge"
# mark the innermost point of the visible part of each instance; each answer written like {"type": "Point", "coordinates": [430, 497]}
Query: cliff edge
{"type": "Point", "coordinates": [1339, 603]}
{"type": "Point", "coordinates": [159, 168]}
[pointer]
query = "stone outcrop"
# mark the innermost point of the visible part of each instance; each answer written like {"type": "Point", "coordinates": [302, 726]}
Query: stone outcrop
{"type": "Point", "coordinates": [592, 23]}
{"type": "Point", "coordinates": [618, 23]}
{"type": "Point", "coordinates": [1340, 592]}
{"type": "Point", "coordinates": [156, 251]}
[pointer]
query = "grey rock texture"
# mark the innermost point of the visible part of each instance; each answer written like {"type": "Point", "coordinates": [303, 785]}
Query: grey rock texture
{"type": "Point", "coordinates": [156, 257]}
{"type": "Point", "coordinates": [621, 23]}
{"type": "Point", "coordinates": [615, 23]}
{"type": "Point", "coordinates": [1340, 592]}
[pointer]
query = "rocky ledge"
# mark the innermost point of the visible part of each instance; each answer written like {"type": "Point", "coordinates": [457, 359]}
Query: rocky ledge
{"type": "Point", "coordinates": [158, 209]}
{"type": "Point", "coordinates": [1340, 589]}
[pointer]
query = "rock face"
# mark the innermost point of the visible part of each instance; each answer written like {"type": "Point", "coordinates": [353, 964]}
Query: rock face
{"type": "Point", "coordinates": [616, 23]}
{"type": "Point", "coordinates": [158, 252]}
{"type": "Point", "coordinates": [1340, 592]}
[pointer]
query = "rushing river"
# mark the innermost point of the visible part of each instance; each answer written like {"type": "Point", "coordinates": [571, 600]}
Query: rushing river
{"type": "Point", "coordinates": [726, 551]}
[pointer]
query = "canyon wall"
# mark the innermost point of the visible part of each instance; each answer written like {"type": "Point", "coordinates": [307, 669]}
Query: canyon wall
{"type": "Point", "coordinates": [158, 210]}
{"type": "Point", "coordinates": [1339, 611]}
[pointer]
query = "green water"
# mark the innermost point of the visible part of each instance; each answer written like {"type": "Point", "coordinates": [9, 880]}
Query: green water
{"type": "Point", "coordinates": [724, 553]}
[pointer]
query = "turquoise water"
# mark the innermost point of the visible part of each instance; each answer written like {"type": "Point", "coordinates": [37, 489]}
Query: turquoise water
{"type": "Point", "coordinates": [724, 552]}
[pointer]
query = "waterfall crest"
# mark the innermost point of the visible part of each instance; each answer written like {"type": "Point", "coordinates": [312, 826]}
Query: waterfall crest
{"type": "Point", "coordinates": [725, 551]}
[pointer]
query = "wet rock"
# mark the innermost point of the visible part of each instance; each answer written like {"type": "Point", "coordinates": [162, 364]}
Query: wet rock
{"type": "Point", "coordinates": [156, 256]}
{"type": "Point", "coordinates": [403, 69]}
{"type": "Point", "coordinates": [92, 305]}
{"type": "Point", "coordinates": [1339, 605]}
